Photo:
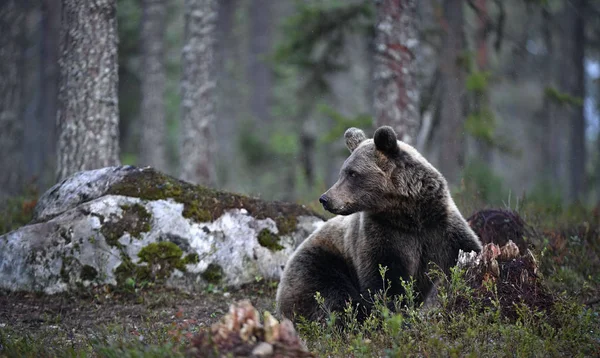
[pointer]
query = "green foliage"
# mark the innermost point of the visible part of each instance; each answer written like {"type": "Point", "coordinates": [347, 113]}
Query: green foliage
{"type": "Point", "coordinates": [316, 33]}
{"type": "Point", "coordinates": [315, 38]}
{"type": "Point", "coordinates": [441, 331]}
{"type": "Point", "coordinates": [17, 211]}
{"type": "Point", "coordinates": [252, 146]}
{"type": "Point", "coordinates": [481, 185]}
{"type": "Point", "coordinates": [284, 143]}
{"type": "Point", "coordinates": [482, 125]}
{"type": "Point", "coordinates": [478, 81]}
{"type": "Point", "coordinates": [341, 123]}
{"type": "Point", "coordinates": [562, 98]}
{"type": "Point", "coordinates": [129, 16]}
{"type": "Point", "coordinates": [545, 198]}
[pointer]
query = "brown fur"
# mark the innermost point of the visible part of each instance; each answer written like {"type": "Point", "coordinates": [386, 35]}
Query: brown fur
{"type": "Point", "coordinates": [396, 212]}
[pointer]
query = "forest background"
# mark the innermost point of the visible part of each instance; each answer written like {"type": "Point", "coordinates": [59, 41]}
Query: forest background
{"type": "Point", "coordinates": [502, 96]}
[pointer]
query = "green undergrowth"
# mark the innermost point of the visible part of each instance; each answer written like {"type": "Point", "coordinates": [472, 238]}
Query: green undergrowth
{"type": "Point", "coordinates": [480, 330]}
{"type": "Point", "coordinates": [111, 341]}
{"type": "Point", "coordinates": [17, 211]}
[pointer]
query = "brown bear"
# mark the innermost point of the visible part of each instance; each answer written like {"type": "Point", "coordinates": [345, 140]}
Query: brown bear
{"type": "Point", "coordinates": [395, 210]}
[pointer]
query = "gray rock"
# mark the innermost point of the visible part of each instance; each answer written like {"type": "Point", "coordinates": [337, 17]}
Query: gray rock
{"type": "Point", "coordinates": [96, 238]}
{"type": "Point", "coordinates": [79, 188]}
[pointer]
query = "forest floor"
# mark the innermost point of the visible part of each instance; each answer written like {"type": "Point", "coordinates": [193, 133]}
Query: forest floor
{"type": "Point", "coordinates": [75, 325]}
{"type": "Point", "coordinates": [149, 321]}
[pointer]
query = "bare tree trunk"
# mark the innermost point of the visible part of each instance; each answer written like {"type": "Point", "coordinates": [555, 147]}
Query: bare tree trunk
{"type": "Point", "coordinates": [395, 74]}
{"type": "Point", "coordinates": [452, 78]}
{"type": "Point", "coordinates": [88, 112]}
{"type": "Point", "coordinates": [226, 53]}
{"type": "Point", "coordinates": [481, 99]}
{"type": "Point", "coordinates": [11, 126]}
{"type": "Point", "coordinates": [30, 83]}
{"type": "Point", "coordinates": [573, 81]}
{"type": "Point", "coordinates": [49, 49]}
{"type": "Point", "coordinates": [566, 140]}
{"type": "Point", "coordinates": [259, 71]}
{"type": "Point", "coordinates": [152, 112]}
{"type": "Point", "coordinates": [197, 93]}
{"type": "Point", "coordinates": [598, 170]}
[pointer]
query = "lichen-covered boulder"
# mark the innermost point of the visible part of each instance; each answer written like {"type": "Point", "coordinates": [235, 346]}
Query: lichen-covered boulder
{"type": "Point", "coordinates": [125, 224]}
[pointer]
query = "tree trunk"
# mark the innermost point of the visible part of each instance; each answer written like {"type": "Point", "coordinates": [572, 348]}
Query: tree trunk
{"type": "Point", "coordinates": [452, 80]}
{"type": "Point", "coordinates": [227, 55]}
{"type": "Point", "coordinates": [88, 112]}
{"type": "Point", "coordinates": [197, 93]}
{"type": "Point", "coordinates": [396, 100]}
{"type": "Point", "coordinates": [259, 71]}
{"type": "Point", "coordinates": [152, 149]}
{"type": "Point", "coordinates": [481, 100]}
{"type": "Point", "coordinates": [49, 49]}
{"type": "Point", "coordinates": [598, 170]}
{"type": "Point", "coordinates": [565, 152]}
{"type": "Point", "coordinates": [573, 80]}
{"type": "Point", "coordinates": [11, 126]}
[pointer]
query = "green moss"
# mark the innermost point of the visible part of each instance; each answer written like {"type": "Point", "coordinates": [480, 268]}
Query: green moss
{"type": "Point", "coordinates": [88, 273]}
{"type": "Point", "coordinates": [135, 220]}
{"type": "Point", "coordinates": [202, 204]}
{"type": "Point", "coordinates": [562, 98]}
{"type": "Point", "coordinates": [163, 257]}
{"type": "Point", "coordinates": [127, 270]}
{"type": "Point", "coordinates": [191, 259]}
{"type": "Point", "coordinates": [65, 268]}
{"type": "Point", "coordinates": [269, 240]}
{"type": "Point", "coordinates": [197, 214]}
{"type": "Point", "coordinates": [286, 225]}
{"type": "Point", "coordinates": [213, 274]}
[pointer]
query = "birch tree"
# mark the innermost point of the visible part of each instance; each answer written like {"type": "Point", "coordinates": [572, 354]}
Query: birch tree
{"type": "Point", "coordinates": [198, 92]}
{"type": "Point", "coordinates": [396, 100]}
{"type": "Point", "coordinates": [88, 112]}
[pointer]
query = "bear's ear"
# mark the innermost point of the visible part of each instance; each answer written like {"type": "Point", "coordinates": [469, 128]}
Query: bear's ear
{"type": "Point", "coordinates": [354, 137]}
{"type": "Point", "coordinates": [385, 140]}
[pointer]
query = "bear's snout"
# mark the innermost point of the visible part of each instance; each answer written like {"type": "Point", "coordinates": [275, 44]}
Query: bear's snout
{"type": "Point", "coordinates": [324, 200]}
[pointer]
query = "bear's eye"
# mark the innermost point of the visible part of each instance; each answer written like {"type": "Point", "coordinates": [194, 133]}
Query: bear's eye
{"type": "Point", "coordinates": [352, 174]}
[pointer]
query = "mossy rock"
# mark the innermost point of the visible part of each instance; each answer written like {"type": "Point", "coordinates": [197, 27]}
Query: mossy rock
{"type": "Point", "coordinates": [163, 257]}
{"type": "Point", "coordinates": [202, 204]}
{"type": "Point", "coordinates": [128, 270]}
{"type": "Point", "coordinates": [135, 220]}
{"type": "Point", "coordinates": [88, 273]}
{"type": "Point", "coordinates": [213, 274]}
{"type": "Point", "coordinates": [269, 240]}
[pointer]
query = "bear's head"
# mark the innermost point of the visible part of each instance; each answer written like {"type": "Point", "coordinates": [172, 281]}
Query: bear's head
{"type": "Point", "coordinates": [383, 175]}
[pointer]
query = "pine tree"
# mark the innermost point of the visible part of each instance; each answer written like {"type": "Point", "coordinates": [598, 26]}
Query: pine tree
{"type": "Point", "coordinates": [153, 79]}
{"type": "Point", "coordinates": [197, 92]}
{"type": "Point", "coordinates": [88, 112]}
{"type": "Point", "coordinates": [396, 100]}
